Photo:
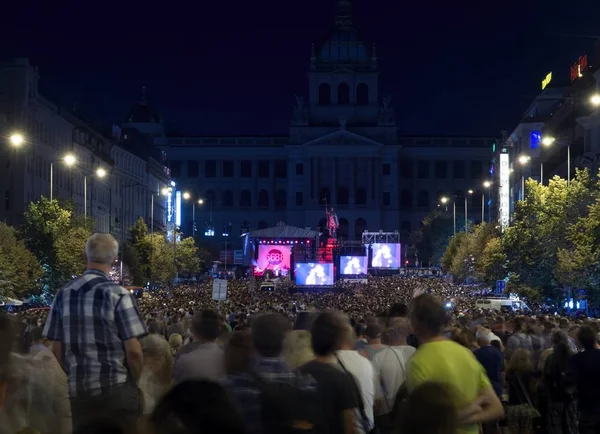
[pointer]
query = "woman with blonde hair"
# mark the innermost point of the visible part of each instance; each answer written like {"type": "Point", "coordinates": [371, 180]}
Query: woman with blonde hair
{"type": "Point", "coordinates": [175, 342]}
{"type": "Point", "coordinates": [155, 378]}
{"type": "Point", "coordinates": [297, 348]}
{"type": "Point", "coordinates": [520, 380]}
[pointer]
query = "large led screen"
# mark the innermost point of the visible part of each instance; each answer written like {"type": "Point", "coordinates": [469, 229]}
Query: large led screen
{"type": "Point", "coordinates": [276, 259]}
{"type": "Point", "coordinates": [313, 274]}
{"type": "Point", "coordinates": [353, 265]}
{"type": "Point", "coordinates": [386, 255]}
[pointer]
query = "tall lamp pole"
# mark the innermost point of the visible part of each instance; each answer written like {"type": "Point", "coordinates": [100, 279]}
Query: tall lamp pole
{"type": "Point", "coordinates": [488, 185]}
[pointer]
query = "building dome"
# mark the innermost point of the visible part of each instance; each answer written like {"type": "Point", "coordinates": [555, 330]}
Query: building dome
{"type": "Point", "coordinates": [344, 47]}
{"type": "Point", "coordinates": [143, 113]}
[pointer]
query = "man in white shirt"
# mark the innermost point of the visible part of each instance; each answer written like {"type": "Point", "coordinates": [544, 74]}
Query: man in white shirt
{"type": "Point", "coordinates": [364, 377]}
{"type": "Point", "coordinates": [390, 368]}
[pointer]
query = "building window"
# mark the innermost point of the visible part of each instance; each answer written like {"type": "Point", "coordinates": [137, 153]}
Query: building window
{"type": "Point", "coordinates": [192, 169]}
{"type": "Point", "coordinates": [406, 169]}
{"type": "Point", "coordinates": [476, 169]}
{"type": "Point", "coordinates": [299, 169]}
{"type": "Point", "coordinates": [387, 198]}
{"type": "Point", "coordinates": [263, 169]}
{"type": "Point", "coordinates": [210, 169]}
{"type": "Point", "coordinates": [246, 169]}
{"type": "Point", "coordinates": [324, 94]}
{"type": "Point", "coordinates": [176, 168]}
{"type": "Point", "coordinates": [361, 196]}
{"type": "Point", "coordinates": [299, 199]}
{"type": "Point", "coordinates": [459, 170]}
{"type": "Point", "coordinates": [263, 199]}
{"type": "Point", "coordinates": [280, 199]}
{"type": "Point", "coordinates": [360, 225]}
{"type": "Point", "coordinates": [342, 196]}
{"type": "Point", "coordinates": [441, 170]}
{"type": "Point", "coordinates": [245, 198]}
{"type": "Point", "coordinates": [280, 169]}
{"type": "Point", "coordinates": [228, 171]}
{"type": "Point", "coordinates": [343, 94]}
{"type": "Point", "coordinates": [387, 169]}
{"type": "Point", "coordinates": [423, 169]}
{"type": "Point", "coordinates": [362, 94]}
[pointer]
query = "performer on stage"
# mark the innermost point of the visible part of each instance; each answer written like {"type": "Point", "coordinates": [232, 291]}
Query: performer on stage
{"type": "Point", "coordinates": [332, 223]}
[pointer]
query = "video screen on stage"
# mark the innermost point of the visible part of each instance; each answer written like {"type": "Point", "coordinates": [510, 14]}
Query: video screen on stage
{"type": "Point", "coordinates": [274, 259]}
{"type": "Point", "coordinates": [353, 265]}
{"type": "Point", "coordinates": [313, 274]}
{"type": "Point", "coordinates": [386, 255]}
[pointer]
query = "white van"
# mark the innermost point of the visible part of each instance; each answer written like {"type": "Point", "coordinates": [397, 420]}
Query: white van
{"type": "Point", "coordinates": [501, 304]}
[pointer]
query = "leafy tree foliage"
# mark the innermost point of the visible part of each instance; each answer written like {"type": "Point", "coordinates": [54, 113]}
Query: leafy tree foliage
{"type": "Point", "coordinates": [57, 240]}
{"type": "Point", "coordinates": [433, 236]}
{"type": "Point", "coordinates": [20, 271]}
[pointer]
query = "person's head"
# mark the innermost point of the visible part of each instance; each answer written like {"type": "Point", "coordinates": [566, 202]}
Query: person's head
{"type": "Point", "coordinates": [297, 348]}
{"type": "Point", "coordinates": [398, 310]}
{"type": "Point", "coordinates": [206, 325]}
{"type": "Point", "coordinates": [373, 333]}
{"type": "Point", "coordinates": [238, 352]}
{"type": "Point", "coordinates": [464, 337]}
{"type": "Point", "coordinates": [158, 357]}
{"type": "Point", "coordinates": [429, 408]}
{"type": "Point", "coordinates": [197, 407]}
{"type": "Point", "coordinates": [360, 330]}
{"type": "Point", "coordinates": [587, 338]}
{"type": "Point", "coordinates": [483, 337]}
{"type": "Point", "coordinates": [328, 332]}
{"type": "Point", "coordinates": [520, 362]}
{"type": "Point", "coordinates": [101, 251]}
{"type": "Point", "coordinates": [175, 341]}
{"type": "Point", "coordinates": [268, 333]}
{"type": "Point", "coordinates": [37, 336]}
{"type": "Point", "coordinates": [428, 316]}
{"type": "Point", "coordinates": [519, 324]}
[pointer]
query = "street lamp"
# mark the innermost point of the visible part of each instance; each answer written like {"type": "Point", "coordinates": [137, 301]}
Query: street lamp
{"type": "Point", "coordinates": [488, 185]}
{"type": "Point", "coordinates": [466, 212]}
{"type": "Point", "coordinates": [187, 196]}
{"type": "Point", "coordinates": [595, 100]}
{"type": "Point", "coordinates": [100, 173]}
{"type": "Point", "coordinates": [523, 160]}
{"type": "Point", "coordinates": [69, 160]}
{"type": "Point", "coordinates": [16, 140]}
{"type": "Point", "coordinates": [445, 200]}
{"type": "Point", "coordinates": [549, 141]}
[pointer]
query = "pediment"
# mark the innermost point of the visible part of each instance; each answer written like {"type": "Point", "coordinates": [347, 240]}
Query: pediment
{"type": "Point", "coordinates": [342, 137]}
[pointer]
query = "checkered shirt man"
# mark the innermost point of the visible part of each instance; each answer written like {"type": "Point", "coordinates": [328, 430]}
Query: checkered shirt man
{"type": "Point", "coordinates": [92, 317]}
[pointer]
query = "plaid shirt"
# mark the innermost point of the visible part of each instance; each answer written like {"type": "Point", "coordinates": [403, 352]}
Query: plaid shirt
{"type": "Point", "coordinates": [246, 394]}
{"type": "Point", "coordinates": [92, 316]}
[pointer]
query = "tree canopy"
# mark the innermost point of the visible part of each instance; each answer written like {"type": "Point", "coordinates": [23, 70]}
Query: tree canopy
{"type": "Point", "coordinates": [20, 271]}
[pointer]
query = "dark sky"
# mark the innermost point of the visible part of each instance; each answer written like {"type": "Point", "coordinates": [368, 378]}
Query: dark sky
{"type": "Point", "coordinates": [233, 67]}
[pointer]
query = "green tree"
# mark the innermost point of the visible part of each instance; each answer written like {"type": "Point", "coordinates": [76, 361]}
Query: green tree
{"type": "Point", "coordinates": [539, 228]}
{"type": "Point", "coordinates": [491, 265]}
{"type": "Point", "coordinates": [161, 259]}
{"type": "Point", "coordinates": [56, 238]}
{"type": "Point", "coordinates": [451, 250]}
{"type": "Point", "coordinates": [20, 272]}
{"type": "Point", "coordinates": [187, 257]}
{"type": "Point", "coordinates": [432, 238]}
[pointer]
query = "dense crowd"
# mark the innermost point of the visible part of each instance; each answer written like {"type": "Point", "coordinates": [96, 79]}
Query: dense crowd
{"type": "Point", "coordinates": [396, 354]}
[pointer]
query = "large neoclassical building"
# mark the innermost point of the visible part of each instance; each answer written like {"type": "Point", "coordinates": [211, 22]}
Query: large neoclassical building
{"type": "Point", "coordinates": [344, 149]}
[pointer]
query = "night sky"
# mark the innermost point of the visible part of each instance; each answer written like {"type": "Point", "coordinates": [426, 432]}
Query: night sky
{"type": "Point", "coordinates": [233, 67]}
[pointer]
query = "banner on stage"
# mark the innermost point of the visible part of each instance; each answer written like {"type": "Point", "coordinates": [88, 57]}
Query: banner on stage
{"type": "Point", "coordinates": [219, 292]}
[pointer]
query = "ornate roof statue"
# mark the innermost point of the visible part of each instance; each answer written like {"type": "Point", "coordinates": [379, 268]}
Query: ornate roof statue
{"type": "Point", "coordinates": [143, 113]}
{"type": "Point", "coordinates": [387, 115]}
{"type": "Point", "coordinates": [300, 116]}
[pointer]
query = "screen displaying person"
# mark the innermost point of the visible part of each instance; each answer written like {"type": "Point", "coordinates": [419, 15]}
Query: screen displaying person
{"type": "Point", "coordinates": [317, 276]}
{"type": "Point", "coordinates": [383, 257]}
{"type": "Point", "coordinates": [353, 266]}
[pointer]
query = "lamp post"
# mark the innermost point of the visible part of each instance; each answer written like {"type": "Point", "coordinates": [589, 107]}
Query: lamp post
{"type": "Point", "coordinates": [549, 141]}
{"type": "Point", "coordinates": [16, 140]}
{"type": "Point", "coordinates": [466, 212]}
{"type": "Point", "coordinates": [523, 160]}
{"type": "Point", "coordinates": [100, 173]}
{"type": "Point", "coordinates": [444, 201]}
{"type": "Point", "coordinates": [488, 185]}
{"type": "Point", "coordinates": [69, 160]}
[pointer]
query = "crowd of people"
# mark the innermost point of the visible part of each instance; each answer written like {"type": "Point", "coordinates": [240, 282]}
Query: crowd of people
{"type": "Point", "coordinates": [397, 354]}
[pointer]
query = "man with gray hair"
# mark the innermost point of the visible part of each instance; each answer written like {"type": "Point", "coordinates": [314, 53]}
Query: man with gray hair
{"type": "Point", "coordinates": [94, 326]}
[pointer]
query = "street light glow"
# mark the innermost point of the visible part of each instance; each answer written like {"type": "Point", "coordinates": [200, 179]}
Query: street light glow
{"type": "Point", "coordinates": [487, 184]}
{"type": "Point", "coordinates": [164, 191]}
{"type": "Point", "coordinates": [186, 195]}
{"type": "Point", "coordinates": [524, 159]}
{"type": "Point", "coordinates": [70, 160]}
{"type": "Point", "coordinates": [470, 191]}
{"type": "Point", "coordinates": [100, 172]}
{"type": "Point", "coordinates": [595, 99]}
{"type": "Point", "coordinates": [17, 140]}
{"type": "Point", "coordinates": [444, 199]}
{"type": "Point", "coordinates": [548, 140]}
{"type": "Point", "coordinates": [200, 201]}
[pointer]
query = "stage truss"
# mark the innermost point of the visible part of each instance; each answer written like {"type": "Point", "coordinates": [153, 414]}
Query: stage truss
{"type": "Point", "coordinates": [380, 237]}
